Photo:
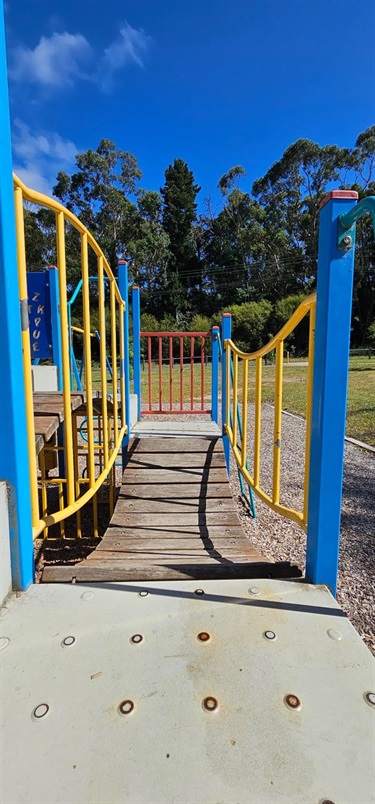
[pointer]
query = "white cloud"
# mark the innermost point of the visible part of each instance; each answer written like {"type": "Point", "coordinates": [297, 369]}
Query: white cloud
{"type": "Point", "coordinates": [58, 60]}
{"type": "Point", "coordinates": [131, 46]}
{"type": "Point", "coordinates": [39, 157]}
{"type": "Point", "coordinates": [54, 62]}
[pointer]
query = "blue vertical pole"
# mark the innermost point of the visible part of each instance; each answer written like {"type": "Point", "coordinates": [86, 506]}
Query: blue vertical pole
{"type": "Point", "coordinates": [331, 364]}
{"type": "Point", "coordinates": [14, 462]}
{"type": "Point", "coordinates": [55, 320]}
{"type": "Point", "coordinates": [226, 333]}
{"type": "Point", "coordinates": [215, 375]}
{"type": "Point", "coordinates": [122, 268]}
{"type": "Point", "coordinates": [136, 312]}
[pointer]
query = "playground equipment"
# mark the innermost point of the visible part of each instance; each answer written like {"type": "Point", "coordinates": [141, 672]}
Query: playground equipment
{"type": "Point", "coordinates": [235, 433]}
{"type": "Point", "coordinates": [112, 411]}
{"type": "Point", "coordinates": [145, 684]}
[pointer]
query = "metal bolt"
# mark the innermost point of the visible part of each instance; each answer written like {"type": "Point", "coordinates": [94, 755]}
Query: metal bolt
{"type": "Point", "coordinates": [126, 707]}
{"type": "Point", "coordinates": [347, 241]}
{"type": "Point", "coordinates": [199, 592]}
{"type": "Point", "coordinates": [253, 590]}
{"type": "Point", "coordinates": [203, 636]}
{"type": "Point", "coordinates": [69, 640]}
{"type": "Point", "coordinates": [292, 701]}
{"type": "Point", "coordinates": [144, 593]}
{"type": "Point", "coordinates": [270, 635]}
{"type": "Point", "coordinates": [4, 642]}
{"type": "Point", "coordinates": [136, 638]}
{"type": "Point", "coordinates": [370, 698]}
{"type": "Point", "coordinates": [334, 634]}
{"type": "Point", "coordinates": [87, 596]}
{"type": "Point", "coordinates": [41, 710]}
{"type": "Point", "coordinates": [210, 704]}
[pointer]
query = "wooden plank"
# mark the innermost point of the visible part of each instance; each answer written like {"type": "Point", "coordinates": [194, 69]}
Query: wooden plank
{"type": "Point", "coordinates": [197, 491]}
{"type": "Point", "coordinates": [115, 571]}
{"type": "Point", "coordinates": [177, 445]}
{"type": "Point", "coordinates": [176, 505]}
{"type": "Point", "coordinates": [172, 559]}
{"type": "Point", "coordinates": [169, 520]}
{"type": "Point", "coordinates": [188, 459]}
{"type": "Point", "coordinates": [46, 426]}
{"type": "Point", "coordinates": [117, 533]}
{"type": "Point", "coordinates": [168, 544]}
{"type": "Point", "coordinates": [182, 475]}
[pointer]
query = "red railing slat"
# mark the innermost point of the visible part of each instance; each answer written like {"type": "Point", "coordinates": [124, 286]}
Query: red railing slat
{"type": "Point", "coordinates": [149, 373]}
{"type": "Point", "coordinates": [181, 374]}
{"type": "Point", "coordinates": [160, 374]}
{"type": "Point", "coordinates": [170, 373]}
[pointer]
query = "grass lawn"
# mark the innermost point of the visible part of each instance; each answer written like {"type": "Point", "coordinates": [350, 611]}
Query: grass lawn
{"type": "Point", "coordinates": [361, 395]}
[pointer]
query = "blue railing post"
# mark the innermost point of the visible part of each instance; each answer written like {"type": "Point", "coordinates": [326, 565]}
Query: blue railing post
{"type": "Point", "coordinates": [14, 460]}
{"type": "Point", "coordinates": [331, 364]}
{"type": "Point", "coordinates": [215, 375]}
{"type": "Point", "coordinates": [226, 334]}
{"type": "Point", "coordinates": [136, 313]}
{"type": "Point", "coordinates": [125, 369]}
{"type": "Point", "coordinates": [55, 321]}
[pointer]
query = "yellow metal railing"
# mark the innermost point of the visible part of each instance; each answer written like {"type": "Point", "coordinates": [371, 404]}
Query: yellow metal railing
{"type": "Point", "coordinates": [104, 412]}
{"type": "Point", "coordinates": [241, 383]}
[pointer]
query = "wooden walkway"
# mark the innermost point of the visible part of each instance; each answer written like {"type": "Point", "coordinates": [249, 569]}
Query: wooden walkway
{"type": "Point", "coordinates": [175, 518]}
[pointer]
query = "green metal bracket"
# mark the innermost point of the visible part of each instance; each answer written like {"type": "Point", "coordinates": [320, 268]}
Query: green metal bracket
{"type": "Point", "coordinates": [347, 222]}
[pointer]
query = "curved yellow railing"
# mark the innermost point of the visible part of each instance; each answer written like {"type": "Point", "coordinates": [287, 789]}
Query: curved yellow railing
{"type": "Point", "coordinates": [307, 307]}
{"type": "Point", "coordinates": [112, 409]}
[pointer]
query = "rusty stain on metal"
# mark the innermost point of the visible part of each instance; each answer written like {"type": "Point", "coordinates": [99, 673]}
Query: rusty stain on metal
{"type": "Point", "coordinates": [370, 698]}
{"type": "Point", "coordinates": [96, 675]}
{"type": "Point", "coordinates": [41, 710]}
{"type": "Point", "coordinates": [203, 636]}
{"type": "Point", "coordinates": [136, 638]}
{"type": "Point", "coordinates": [210, 704]}
{"type": "Point", "coordinates": [292, 701]}
{"type": "Point", "coordinates": [69, 640]}
{"type": "Point", "coordinates": [126, 707]}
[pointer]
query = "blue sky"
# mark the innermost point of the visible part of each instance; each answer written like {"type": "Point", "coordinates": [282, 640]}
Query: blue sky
{"type": "Point", "coordinates": [216, 83]}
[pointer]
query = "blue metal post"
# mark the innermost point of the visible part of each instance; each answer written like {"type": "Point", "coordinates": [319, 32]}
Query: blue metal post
{"type": "Point", "coordinates": [14, 465]}
{"type": "Point", "coordinates": [226, 333]}
{"type": "Point", "coordinates": [331, 364]}
{"type": "Point", "coordinates": [136, 312]}
{"type": "Point", "coordinates": [122, 268]}
{"type": "Point", "coordinates": [215, 375]}
{"type": "Point", "coordinates": [55, 320]}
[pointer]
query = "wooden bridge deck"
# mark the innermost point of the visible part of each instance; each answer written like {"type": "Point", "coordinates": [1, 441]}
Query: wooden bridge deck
{"type": "Point", "coordinates": [174, 518]}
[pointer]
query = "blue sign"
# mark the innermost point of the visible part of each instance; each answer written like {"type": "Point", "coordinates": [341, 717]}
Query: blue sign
{"type": "Point", "coordinates": [40, 325]}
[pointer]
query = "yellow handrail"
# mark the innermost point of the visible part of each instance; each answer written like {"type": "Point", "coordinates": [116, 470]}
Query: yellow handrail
{"type": "Point", "coordinates": [307, 307]}
{"type": "Point", "coordinates": [110, 427]}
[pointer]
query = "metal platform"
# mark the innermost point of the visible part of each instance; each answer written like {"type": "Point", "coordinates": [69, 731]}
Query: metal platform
{"type": "Point", "coordinates": [245, 691]}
